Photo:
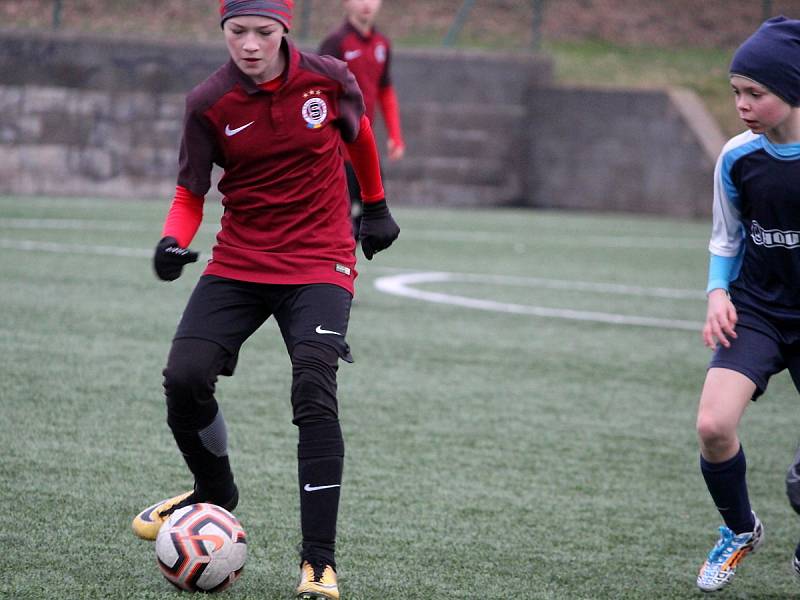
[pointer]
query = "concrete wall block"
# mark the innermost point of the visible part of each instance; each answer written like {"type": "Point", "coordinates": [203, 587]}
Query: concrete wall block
{"type": "Point", "coordinates": [39, 99]}
{"type": "Point", "coordinates": [428, 193]}
{"type": "Point", "coordinates": [644, 155]}
{"type": "Point", "coordinates": [463, 130]}
{"type": "Point", "coordinates": [43, 160]}
{"type": "Point", "coordinates": [450, 76]}
{"type": "Point", "coordinates": [462, 115]}
{"type": "Point", "coordinates": [159, 133]}
{"type": "Point", "coordinates": [11, 99]}
{"type": "Point", "coordinates": [30, 129]}
{"type": "Point", "coordinates": [137, 162]}
{"type": "Point", "coordinates": [100, 131]}
{"type": "Point", "coordinates": [165, 164]}
{"type": "Point", "coordinates": [147, 162]}
{"type": "Point", "coordinates": [94, 164]}
{"type": "Point", "coordinates": [465, 142]}
{"type": "Point", "coordinates": [133, 106]}
{"type": "Point", "coordinates": [109, 135]}
{"type": "Point", "coordinates": [171, 107]}
{"type": "Point", "coordinates": [8, 135]}
{"type": "Point", "coordinates": [57, 127]}
{"type": "Point", "coordinates": [93, 116]}
{"type": "Point", "coordinates": [11, 164]}
{"type": "Point", "coordinates": [448, 169]}
{"type": "Point", "coordinates": [79, 187]}
{"type": "Point", "coordinates": [88, 103]}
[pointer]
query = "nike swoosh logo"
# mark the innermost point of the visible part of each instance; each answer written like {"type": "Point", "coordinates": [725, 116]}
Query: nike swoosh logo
{"type": "Point", "coordinates": [351, 54]}
{"type": "Point", "coordinates": [322, 331]}
{"type": "Point", "coordinates": [314, 488]}
{"type": "Point", "coordinates": [214, 539]}
{"type": "Point", "coordinates": [326, 586]}
{"type": "Point", "coordinates": [229, 132]}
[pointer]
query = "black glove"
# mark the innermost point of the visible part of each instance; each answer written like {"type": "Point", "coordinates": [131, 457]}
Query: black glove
{"type": "Point", "coordinates": [378, 228]}
{"type": "Point", "coordinates": [169, 259]}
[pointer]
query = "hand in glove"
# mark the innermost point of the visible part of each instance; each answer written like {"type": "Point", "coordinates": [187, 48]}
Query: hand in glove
{"type": "Point", "coordinates": [169, 259]}
{"type": "Point", "coordinates": [378, 228]}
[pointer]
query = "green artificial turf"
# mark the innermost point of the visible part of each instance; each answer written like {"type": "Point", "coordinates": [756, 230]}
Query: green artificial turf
{"type": "Point", "coordinates": [489, 454]}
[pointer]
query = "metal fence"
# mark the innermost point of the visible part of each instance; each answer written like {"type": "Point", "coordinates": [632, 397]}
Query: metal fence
{"type": "Point", "coordinates": [461, 17]}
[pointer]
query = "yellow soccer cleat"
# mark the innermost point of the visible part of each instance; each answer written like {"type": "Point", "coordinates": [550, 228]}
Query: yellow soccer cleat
{"type": "Point", "coordinates": [317, 582]}
{"type": "Point", "coordinates": [147, 523]}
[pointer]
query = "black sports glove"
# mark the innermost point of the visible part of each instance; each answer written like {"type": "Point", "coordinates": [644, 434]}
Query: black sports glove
{"type": "Point", "coordinates": [378, 228]}
{"type": "Point", "coordinates": [169, 259]}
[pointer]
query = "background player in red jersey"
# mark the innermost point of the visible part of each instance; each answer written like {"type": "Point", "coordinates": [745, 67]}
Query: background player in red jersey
{"type": "Point", "coordinates": [273, 118]}
{"type": "Point", "coordinates": [368, 54]}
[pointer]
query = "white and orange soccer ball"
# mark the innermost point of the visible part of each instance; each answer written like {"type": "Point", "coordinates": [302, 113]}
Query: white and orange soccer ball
{"type": "Point", "coordinates": [201, 548]}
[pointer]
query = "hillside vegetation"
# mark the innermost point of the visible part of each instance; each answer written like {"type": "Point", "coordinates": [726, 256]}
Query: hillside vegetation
{"type": "Point", "coordinates": [592, 42]}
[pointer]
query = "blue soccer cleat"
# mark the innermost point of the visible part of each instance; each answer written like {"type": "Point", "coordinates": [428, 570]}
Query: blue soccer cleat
{"type": "Point", "coordinates": [720, 566]}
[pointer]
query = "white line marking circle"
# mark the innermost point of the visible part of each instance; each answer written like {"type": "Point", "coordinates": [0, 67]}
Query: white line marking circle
{"type": "Point", "coordinates": [403, 285]}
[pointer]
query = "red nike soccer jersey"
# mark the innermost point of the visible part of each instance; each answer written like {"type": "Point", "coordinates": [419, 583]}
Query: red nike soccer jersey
{"type": "Point", "coordinates": [287, 212]}
{"type": "Point", "coordinates": [367, 57]}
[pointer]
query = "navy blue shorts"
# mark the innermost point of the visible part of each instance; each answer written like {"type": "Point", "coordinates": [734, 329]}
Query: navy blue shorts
{"type": "Point", "coordinates": [227, 312]}
{"type": "Point", "coordinates": [762, 349]}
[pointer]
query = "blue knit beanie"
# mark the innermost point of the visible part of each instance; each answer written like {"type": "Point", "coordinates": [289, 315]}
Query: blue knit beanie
{"type": "Point", "coordinates": [771, 57]}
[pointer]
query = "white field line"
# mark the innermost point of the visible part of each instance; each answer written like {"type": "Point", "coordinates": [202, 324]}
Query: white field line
{"type": "Point", "coordinates": [37, 246]}
{"type": "Point", "coordinates": [87, 225]}
{"type": "Point", "coordinates": [74, 225]}
{"type": "Point", "coordinates": [403, 285]}
{"type": "Point", "coordinates": [579, 286]}
{"type": "Point", "coordinates": [430, 235]}
{"type": "Point", "coordinates": [574, 240]}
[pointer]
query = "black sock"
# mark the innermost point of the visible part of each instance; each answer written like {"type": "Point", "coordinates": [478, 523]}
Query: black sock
{"type": "Point", "coordinates": [320, 454]}
{"type": "Point", "coordinates": [728, 487]}
{"type": "Point", "coordinates": [206, 454]}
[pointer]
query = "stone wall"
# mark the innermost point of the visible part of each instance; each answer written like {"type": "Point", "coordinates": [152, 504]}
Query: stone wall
{"type": "Point", "coordinates": [98, 117]}
{"type": "Point", "coordinates": [649, 151]}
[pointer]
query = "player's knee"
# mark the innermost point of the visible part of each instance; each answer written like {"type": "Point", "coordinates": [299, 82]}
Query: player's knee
{"type": "Point", "coordinates": [184, 379]}
{"type": "Point", "coordinates": [314, 369]}
{"type": "Point", "coordinates": [190, 379]}
{"type": "Point", "coordinates": [714, 434]}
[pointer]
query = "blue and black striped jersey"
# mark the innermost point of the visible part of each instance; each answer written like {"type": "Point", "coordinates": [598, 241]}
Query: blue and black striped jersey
{"type": "Point", "coordinates": [755, 239]}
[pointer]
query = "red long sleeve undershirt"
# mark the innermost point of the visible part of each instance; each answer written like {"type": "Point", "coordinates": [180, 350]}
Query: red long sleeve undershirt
{"type": "Point", "coordinates": [366, 163]}
{"type": "Point", "coordinates": [186, 212]}
{"type": "Point", "coordinates": [390, 108]}
{"type": "Point", "coordinates": [184, 216]}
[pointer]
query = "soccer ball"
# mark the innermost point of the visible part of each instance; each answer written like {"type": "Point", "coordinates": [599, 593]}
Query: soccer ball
{"type": "Point", "coordinates": [201, 548]}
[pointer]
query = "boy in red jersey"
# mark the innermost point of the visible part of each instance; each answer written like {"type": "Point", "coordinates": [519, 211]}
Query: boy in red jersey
{"type": "Point", "coordinates": [367, 53]}
{"type": "Point", "coordinates": [273, 118]}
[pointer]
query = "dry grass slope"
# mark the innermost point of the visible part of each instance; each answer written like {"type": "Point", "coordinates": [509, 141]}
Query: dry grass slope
{"type": "Point", "coordinates": [711, 23]}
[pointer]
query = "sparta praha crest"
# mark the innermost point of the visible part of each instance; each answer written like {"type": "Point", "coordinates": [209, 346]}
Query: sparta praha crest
{"type": "Point", "coordinates": [201, 547]}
